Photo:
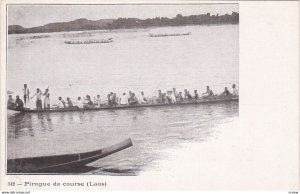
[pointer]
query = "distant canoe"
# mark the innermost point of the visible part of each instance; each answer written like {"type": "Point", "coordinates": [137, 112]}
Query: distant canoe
{"type": "Point", "coordinates": [89, 41]}
{"type": "Point", "coordinates": [9, 92]}
{"type": "Point", "coordinates": [208, 100]}
{"type": "Point", "coordinates": [163, 35]}
{"type": "Point", "coordinates": [58, 163]}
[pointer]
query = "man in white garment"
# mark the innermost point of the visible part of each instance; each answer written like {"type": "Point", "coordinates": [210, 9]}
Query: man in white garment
{"type": "Point", "coordinates": [124, 99]}
{"type": "Point", "coordinates": [235, 91]}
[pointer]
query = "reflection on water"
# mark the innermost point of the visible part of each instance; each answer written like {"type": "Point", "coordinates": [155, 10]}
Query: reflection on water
{"type": "Point", "coordinates": [22, 124]}
{"type": "Point", "coordinates": [153, 130]}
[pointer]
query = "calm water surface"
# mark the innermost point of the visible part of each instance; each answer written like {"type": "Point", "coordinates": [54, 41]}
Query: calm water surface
{"type": "Point", "coordinates": [133, 62]}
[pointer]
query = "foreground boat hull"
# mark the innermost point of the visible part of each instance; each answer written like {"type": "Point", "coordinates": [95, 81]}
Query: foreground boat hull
{"type": "Point", "coordinates": [59, 163]}
{"type": "Point", "coordinates": [193, 102]}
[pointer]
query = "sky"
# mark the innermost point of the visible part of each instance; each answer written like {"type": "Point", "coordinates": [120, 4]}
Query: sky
{"type": "Point", "coordinates": [38, 15]}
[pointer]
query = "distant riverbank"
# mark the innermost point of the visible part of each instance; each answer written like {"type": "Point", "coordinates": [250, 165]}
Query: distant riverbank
{"type": "Point", "coordinates": [127, 23]}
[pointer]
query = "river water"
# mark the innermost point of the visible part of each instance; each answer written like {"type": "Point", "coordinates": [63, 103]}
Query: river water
{"type": "Point", "coordinates": [136, 62]}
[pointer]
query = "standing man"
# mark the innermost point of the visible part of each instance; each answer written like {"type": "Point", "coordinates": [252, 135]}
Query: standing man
{"type": "Point", "coordinates": [47, 99]}
{"type": "Point", "coordinates": [26, 96]}
{"type": "Point", "coordinates": [38, 96]}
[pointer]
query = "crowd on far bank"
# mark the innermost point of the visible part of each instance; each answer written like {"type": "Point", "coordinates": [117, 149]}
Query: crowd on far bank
{"type": "Point", "coordinates": [111, 100]}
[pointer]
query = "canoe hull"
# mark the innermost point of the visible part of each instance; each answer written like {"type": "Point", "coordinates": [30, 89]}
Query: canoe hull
{"type": "Point", "coordinates": [59, 163]}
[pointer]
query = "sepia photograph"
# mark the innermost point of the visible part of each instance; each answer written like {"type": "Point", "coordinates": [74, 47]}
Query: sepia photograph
{"type": "Point", "coordinates": [108, 89]}
{"type": "Point", "coordinates": [181, 95]}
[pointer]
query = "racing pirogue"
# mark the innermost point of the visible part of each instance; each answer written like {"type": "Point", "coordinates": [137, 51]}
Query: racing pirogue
{"type": "Point", "coordinates": [213, 99]}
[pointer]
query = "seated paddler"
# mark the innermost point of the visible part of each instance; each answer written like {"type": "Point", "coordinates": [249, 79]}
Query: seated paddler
{"type": "Point", "coordinates": [226, 92]}
{"type": "Point", "coordinates": [88, 102]}
{"type": "Point", "coordinates": [69, 103]}
{"type": "Point", "coordinates": [11, 103]}
{"type": "Point", "coordinates": [208, 92]}
{"type": "Point", "coordinates": [19, 103]}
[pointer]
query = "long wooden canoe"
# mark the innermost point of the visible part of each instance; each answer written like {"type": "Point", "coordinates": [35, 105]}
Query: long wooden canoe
{"type": "Point", "coordinates": [89, 41]}
{"type": "Point", "coordinates": [58, 163]}
{"type": "Point", "coordinates": [163, 35]}
{"type": "Point", "coordinates": [190, 102]}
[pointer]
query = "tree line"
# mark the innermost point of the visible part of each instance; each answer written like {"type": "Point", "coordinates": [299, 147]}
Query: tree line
{"type": "Point", "coordinates": [120, 23]}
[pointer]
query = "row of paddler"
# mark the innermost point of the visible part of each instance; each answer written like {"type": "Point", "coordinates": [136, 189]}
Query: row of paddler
{"type": "Point", "coordinates": [112, 99]}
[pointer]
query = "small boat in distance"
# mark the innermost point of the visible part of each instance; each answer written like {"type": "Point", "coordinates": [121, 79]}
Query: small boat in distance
{"type": "Point", "coordinates": [90, 41]}
{"type": "Point", "coordinates": [60, 163]}
{"type": "Point", "coordinates": [163, 35]}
